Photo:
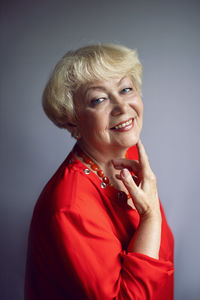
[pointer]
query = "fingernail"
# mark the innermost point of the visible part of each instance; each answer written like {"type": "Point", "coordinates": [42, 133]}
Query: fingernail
{"type": "Point", "coordinates": [125, 172]}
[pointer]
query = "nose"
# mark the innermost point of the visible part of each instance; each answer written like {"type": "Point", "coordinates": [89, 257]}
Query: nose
{"type": "Point", "coordinates": [119, 105]}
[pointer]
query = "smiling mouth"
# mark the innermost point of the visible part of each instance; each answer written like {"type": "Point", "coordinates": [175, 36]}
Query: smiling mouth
{"type": "Point", "coordinates": [124, 125]}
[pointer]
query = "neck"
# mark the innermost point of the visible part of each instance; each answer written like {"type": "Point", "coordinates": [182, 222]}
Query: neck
{"type": "Point", "coordinates": [104, 162]}
{"type": "Point", "coordinates": [107, 174]}
{"type": "Point", "coordinates": [103, 158]}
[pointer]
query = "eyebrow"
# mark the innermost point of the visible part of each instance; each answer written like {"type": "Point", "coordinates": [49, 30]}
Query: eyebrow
{"type": "Point", "coordinates": [103, 88]}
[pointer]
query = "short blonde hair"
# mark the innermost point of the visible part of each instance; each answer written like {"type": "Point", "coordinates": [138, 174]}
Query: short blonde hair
{"type": "Point", "coordinates": [81, 67]}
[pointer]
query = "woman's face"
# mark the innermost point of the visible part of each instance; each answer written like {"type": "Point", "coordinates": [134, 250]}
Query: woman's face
{"type": "Point", "coordinates": [109, 114]}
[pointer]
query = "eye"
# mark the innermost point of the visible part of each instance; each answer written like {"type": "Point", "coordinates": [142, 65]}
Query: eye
{"type": "Point", "coordinates": [126, 90]}
{"type": "Point", "coordinates": [97, 101]}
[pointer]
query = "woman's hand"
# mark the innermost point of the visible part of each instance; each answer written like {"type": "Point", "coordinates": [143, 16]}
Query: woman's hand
{"type": "Point", "coordinates": [142, 185]}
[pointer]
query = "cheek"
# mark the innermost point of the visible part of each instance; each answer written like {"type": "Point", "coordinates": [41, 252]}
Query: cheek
{"type": "Point", "coordinates": [91, 121]}
{"type": "Point", "coordinates": [139, 107]}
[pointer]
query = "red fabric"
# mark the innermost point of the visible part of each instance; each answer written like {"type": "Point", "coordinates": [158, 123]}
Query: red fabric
{"type": "Point", "coordinates": [78, 239]}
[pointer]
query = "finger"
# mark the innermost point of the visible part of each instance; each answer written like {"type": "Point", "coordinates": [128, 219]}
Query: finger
{"type": "Point", "coordinates": [135, 178]}
{"type": "Point", "coordinates": [118, 176]}
{"type": "Point", "coordinates": [131, 165]}
{"type": "Point", "coordinates": [143, 158]}
{"type": "Point", "coordinates": [129, 182]}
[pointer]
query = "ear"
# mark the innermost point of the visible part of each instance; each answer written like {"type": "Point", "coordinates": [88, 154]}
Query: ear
{"type": "Point", "coordinates": [73, 129]}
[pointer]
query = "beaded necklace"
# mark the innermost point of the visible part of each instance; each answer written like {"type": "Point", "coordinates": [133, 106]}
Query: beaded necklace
{"type": "Point", "coordinates": [99, 172]}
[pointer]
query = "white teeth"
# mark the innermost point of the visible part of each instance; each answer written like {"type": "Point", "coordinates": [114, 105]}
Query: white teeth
{"type": "Point", "coordinates": [123, 124]}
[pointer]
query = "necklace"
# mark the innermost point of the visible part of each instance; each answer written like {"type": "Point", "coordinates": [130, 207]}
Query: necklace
{"type": "Point", "coordinates": [99, 172]}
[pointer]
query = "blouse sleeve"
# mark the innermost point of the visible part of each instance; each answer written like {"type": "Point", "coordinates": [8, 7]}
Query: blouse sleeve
{"type": "Point", "coordinates": [92, 265]}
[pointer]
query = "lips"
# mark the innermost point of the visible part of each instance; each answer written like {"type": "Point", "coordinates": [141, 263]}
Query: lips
{"type": "Point", "coordinates": [124, 125]}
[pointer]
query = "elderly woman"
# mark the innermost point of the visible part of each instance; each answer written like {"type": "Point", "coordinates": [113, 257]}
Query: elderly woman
{"type": "Point", "coordinates": [98, 230]}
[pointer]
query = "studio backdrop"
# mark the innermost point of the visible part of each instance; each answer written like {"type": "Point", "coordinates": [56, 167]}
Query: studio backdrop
{"type": "Point", "coordinates": [34, 35]}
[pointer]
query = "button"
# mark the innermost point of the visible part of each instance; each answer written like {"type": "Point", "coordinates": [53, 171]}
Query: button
{"type": "Point", "coordinates": [103, 185]}
{"type": "Point", "coordinates": [86, 171]}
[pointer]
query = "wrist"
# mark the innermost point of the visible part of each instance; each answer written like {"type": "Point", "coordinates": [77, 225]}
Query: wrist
{"type": "Point", "coordinates": [153, 216]}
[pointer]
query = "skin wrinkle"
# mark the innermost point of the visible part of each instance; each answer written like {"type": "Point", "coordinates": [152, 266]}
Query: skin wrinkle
{"type": "Point", "coordinates": [94, 122]}
{"type": "Point", "coordinates": [118, 111]}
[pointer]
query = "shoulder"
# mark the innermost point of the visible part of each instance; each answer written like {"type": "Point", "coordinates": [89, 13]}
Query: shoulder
{"type": "Point", "coordinates": [71, 188]}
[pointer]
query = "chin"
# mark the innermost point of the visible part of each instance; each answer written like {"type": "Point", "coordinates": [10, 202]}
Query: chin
{"type": "Point", "coordinates": [131, 141]}
{"type": "Point", "coordinates": [135, 140]}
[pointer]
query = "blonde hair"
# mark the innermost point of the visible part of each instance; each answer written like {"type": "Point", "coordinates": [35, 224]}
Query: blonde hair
{"type": "Point", "coordinates": [83, 66]}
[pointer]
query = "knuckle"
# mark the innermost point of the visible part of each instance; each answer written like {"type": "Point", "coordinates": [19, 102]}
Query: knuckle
{"type": "Point", "coordinates": [129, 180]}
{"type": "Point", "coordinates": [136, 195]}
{"type": "Point", "coordinates": [151, 176]}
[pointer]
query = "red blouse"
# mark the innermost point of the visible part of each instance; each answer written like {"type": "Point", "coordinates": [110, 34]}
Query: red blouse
{"type": "Point", "coordinates": [78, 239]}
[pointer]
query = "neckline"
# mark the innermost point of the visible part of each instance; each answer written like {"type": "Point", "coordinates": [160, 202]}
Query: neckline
{"type": "Point", "coordinates": [108, 189]}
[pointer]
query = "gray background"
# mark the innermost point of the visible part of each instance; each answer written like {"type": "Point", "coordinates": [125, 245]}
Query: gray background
{"type": "Point", "coordinates": [35, 34]}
